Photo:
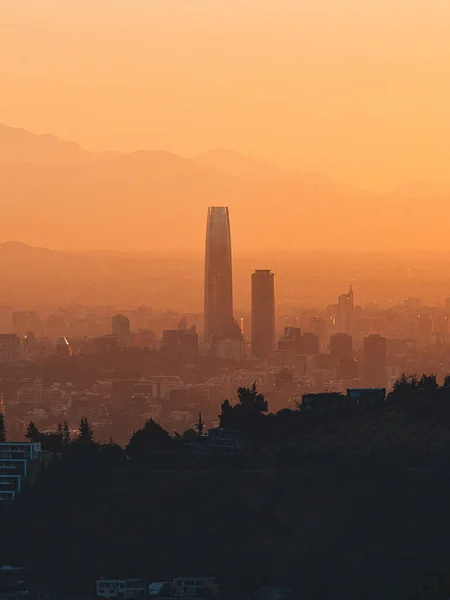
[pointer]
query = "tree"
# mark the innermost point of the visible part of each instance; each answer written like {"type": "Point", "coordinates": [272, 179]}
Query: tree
{"type": "Point", "coordinates": [428, 384]}
{"type": "Point", "coordinates": [249, 409]}
{"type": "Point", "coordinates": [59, 431]}
{"type": "Point", "coordinates": [111, 455]}
{"type": "Point", "coordinates": [190, 435]}
{"type": "Point", "coordinates": [66, 434]}
{"type": "Point", "coordinates": [33, 434]}
{"type": "Point", "coordinates": [52, 442]}
{"type": "Point", "coordinates": [85, 433]}
{"type": "Point", "coordinates": [405, 388]}
{"type": "Point", "coordinates": [226, 414]}
{"type": "Point", "coordinates": [2, 428]}
{"type": "Point", "coordinates": [200, 426]}
{"type": "Point", "coordinates": [151, 438]}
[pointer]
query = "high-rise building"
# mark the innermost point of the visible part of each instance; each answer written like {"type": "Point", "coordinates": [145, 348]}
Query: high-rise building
{"type": "Point", "coordinates": [6, 319]}
{"type": "Point", "coordinates": [291, 340]}
{"type": "Point", "coordinates": [341, 346]}
{"type": "Point", "coordinates": [121, 325]}
{"type": "Point", "coordinates": [10, 349]}
{"type": "Point", "coordinates": [310, 344]}
{"type": "Point", "coordinates": [345, 315]}
{"type": "Point", "coordinates": [219, 321]}
{"type": "Point", "coordinates": [263, 312]}
{"type": "Point", "coordinates": [63, 347]}
{"type": "Point", "coordinates": [375, 350]}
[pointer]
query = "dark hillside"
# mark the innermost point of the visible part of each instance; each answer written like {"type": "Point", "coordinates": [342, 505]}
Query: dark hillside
{"type": "Point", "coordinates": [360, 510]}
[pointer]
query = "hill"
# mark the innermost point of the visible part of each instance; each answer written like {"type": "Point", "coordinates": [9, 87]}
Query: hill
{"type": "Point", "coordinates": [364, 501]}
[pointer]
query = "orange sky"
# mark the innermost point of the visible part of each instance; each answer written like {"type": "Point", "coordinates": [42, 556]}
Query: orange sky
{"type": "Point", "coordinates": [358, 89]}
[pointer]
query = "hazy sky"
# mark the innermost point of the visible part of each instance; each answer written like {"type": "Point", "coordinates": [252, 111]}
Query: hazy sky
{"type": "Point", "coordinates": [358, 89]}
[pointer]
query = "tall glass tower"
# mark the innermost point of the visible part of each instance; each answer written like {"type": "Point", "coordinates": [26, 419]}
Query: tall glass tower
{"type": "Point", "coordinates": [219, 321]}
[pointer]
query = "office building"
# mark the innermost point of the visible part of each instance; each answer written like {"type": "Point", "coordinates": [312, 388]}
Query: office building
{"type": "Point", "coordinates": [6, 319]}
{"type": "Point", "coordinates": [63, 348]}
{"type": "Point", "coordinates": [218, 308]}
{"type": "Point", "coordinates": [345, 313]}
{"type": "Point", "coordinates": [347, 368]}
{"type": "Point", "coordinates": [290, 341]}
{"type": "Point", "coordinates": [9, 347]}
{"type": "Point", "coordinates": [180, 341]}
{"type": "Point", "coordinates": [121, 326]}
{"type": "Point", "coordinates": [263, 313]}
{"type": "Point", "coordinates": [375, 350]}
{"type": "Point", "coordinates": [341, 346]}
{"type": "Point", "coordinates": [310, 344]}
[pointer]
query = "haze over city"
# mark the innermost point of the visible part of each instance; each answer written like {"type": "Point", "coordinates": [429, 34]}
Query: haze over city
{"type": "Point", "coordinates": [224, 299]}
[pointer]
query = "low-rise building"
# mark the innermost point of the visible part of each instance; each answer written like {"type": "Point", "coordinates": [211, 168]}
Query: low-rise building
{"type": "Point", "coordinates": [195, 588]}
{"type": "Point", "coordinates": [15, 460]}
{"type": "Point", "coordinates": [120, 588]}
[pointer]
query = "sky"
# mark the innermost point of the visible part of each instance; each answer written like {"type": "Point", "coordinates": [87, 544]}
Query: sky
{"type": "Point", "coordinates": [356, 89]}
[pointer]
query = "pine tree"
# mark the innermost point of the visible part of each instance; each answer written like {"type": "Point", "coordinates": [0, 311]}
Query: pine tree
{"type": "Point", "coordinates": [2, 428]}
{"type": "Point", "coordinates": [33, 434]}
{"type": "Point", "coordinates": [85, 432]}
{"type": "Point", "coordinates": [200, 426]}
{"type": "Point", "coordinates": [59, 431]}
{"type": "Point", "coordinates": [66, 433]}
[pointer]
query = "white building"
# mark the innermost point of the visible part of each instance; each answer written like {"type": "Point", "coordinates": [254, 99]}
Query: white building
{"type": "Point", "coordinates": [120, 588]}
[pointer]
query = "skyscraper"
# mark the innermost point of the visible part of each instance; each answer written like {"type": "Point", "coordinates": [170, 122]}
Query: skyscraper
{"type": "Point", "coordinates": [263, 312]}
{"type": "Point", "coordinates": [375, 349]}
{"type": "Point", "coordinates": [219, 321]}
{"type": "Point", "coordinates": [341, 346]}
{"type": "Point", "coordinates": [345, 316]}
{"type": "Point", "coordinates": [121, 325]}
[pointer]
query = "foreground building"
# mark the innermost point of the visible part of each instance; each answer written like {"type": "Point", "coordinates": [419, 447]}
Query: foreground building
{"type": "Point", "coordinates": [16, 461]}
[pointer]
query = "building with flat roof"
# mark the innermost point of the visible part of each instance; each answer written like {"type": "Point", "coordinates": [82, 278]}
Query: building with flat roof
{"type": "Point", "coordinates": [15, 459]}
{"type": "Point", "coordinates": [263, 313]}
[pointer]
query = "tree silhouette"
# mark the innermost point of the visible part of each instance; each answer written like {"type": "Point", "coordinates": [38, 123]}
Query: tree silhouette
{"type": "Point", "coordinates": [405, 389]}
{"type": "Point", "coordinates": [428, 385]}
{"type": "Point", "coordinates": [200, 426]}
{"type": "Point", "coordinates": [226, 415]}
{"type": "Point", "coordinates": [151, 438]}
{"type": "Point", "coordinates": [33, 434]}
{"type": "Point", "coordinates": [66, 433]}
{"type": "Point", "coordinates": [59, 431]}
{"type": "Point", "coordinates": [2, 428]}
{"type": "Point", "coordinates": [249, 409]}
{"type": "Point", "coordinates": [85, 433]}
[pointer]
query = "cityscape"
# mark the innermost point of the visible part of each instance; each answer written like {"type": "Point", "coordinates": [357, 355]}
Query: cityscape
{"type": "Point", "coordinates": [224, 300]}
{"type": "Point", "coordinates": [190, 363]}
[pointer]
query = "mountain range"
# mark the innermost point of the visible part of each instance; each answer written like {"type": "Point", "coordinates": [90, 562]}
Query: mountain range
{"type": "Point", "coordinates": [54, 193]}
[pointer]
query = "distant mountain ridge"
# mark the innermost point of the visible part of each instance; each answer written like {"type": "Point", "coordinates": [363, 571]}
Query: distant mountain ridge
{"type": "Point", "coordinates": [54, 193]}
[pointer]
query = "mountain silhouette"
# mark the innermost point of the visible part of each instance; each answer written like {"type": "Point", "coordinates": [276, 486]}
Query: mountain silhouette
{"type": "Point", "coordinates": [237, 164]}
{"type": "Point", "coordinates": [19, 145]}
{"type": "Point", "coordinates": [152, 200]}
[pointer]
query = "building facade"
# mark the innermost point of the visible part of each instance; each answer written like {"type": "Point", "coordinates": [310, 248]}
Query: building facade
{"type": "Point", "coordinates": [345, 313]}
{"type": "Point", "coordinates": [263, 313]}
{"type": "Point", "coordinates": [10, 349]}
{"type": "Point", "coordinates": [218, 308]}
{"type": "Point", "coordinates": [375, 356]}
